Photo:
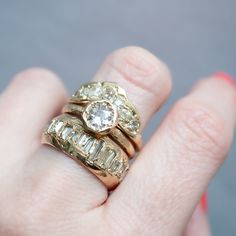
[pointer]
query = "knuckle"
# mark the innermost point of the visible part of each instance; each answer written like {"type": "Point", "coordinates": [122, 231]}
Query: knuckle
{"type": "Point", "coordinates": [201, 128]}
{"type": "Point", "coordinates": [141, 68]}
{"type": "Point", "coordinates": [131, 223]}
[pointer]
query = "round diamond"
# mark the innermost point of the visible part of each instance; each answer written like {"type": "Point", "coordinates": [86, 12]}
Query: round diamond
{"type": "Point", "coordinates": [133, 126]}
{"type": "Point", "coordinates": [120, 101]}
{"type": "Point", "coordinates": [100, 116]}
{"type": "Point", "coordinates": [95, 91]}
{"type": "Point", "coordinates": [82, 92]}
{"type": "Point", "coordinates": [109, 93]}
{"type": "Point", "coordinates": [85, 91]}
{"type": "Point", "coordinates": [125, 113]}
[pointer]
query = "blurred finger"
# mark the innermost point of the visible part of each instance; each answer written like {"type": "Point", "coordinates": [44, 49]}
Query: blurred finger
{"type": "Point", "coordinates": [180, 159]}
{"type": "Point", "coordinates": [145, 78]}
{"type": "Point", "coordinates": [30, 101]}
{"type": "Point", "coordinates": [198, 224]}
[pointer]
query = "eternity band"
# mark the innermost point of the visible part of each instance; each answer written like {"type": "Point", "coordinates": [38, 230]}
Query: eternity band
{"type": "Point", "coordinates": [102, 157]}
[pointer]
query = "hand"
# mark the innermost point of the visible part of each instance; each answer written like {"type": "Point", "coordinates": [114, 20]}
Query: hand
{"type": "Point", "coordinates": [43, 192]}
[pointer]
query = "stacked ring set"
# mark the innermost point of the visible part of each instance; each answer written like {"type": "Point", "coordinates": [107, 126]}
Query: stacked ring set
{"type": "Point", "coordinates": [100, 129]}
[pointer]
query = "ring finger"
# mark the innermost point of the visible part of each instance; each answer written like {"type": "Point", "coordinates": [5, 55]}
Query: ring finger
{"type": "Point", "coordinates": [147, 83]}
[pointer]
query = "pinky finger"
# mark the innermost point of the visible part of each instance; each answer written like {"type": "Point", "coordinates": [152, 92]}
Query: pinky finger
{"type": "Point", "coordinates": [198, 224]}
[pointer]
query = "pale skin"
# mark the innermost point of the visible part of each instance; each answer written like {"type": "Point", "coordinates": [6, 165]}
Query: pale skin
{"type": "Point", "coordinates": [43, 192]}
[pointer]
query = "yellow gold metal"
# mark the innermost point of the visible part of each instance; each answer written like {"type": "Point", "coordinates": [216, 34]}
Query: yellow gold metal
{"type": "Point", "coordinates": [102, 156]}
{"type": "Point", "coordinates": [99, 129]}
{"type": "Point", "coordinates": [128, 116]}
{"type": "Point", "coordinates": [129, 144]}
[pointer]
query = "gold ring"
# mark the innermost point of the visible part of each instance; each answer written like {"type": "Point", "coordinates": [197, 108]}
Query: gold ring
{"type": "Point", "coordinates": [113, 97]}
{"type": "Point", "coordinates": [115, 134]}
{"type": "Point", "coordinates": [100, 129]}
{"type": "Point", "coordinates": [103, 157]}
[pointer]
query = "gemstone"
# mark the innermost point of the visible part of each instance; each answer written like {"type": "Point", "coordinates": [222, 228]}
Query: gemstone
{"type": "Point", "coordinates": [109, 93]}
{"type": "Point", "coordinates": [66, 132]}
{"type": "Point", "coordinates": [84, 91]}
{"type": "Point", "coordinates": [100, 116]}
{"type": "Point", "coordinates": [92, 146]}
{"type": "Point", "coordinates": [106, 157]}
{"type": "Point", "coordinates": [89, 145]}
{"type": "Point", "coordinates": [126, 113]}
{"type": "Point", "coordinates": [122, 168]}
{"type": "Point", "coordinates": [83, 140]}
{"type": "Point", "coordinates": [96, 149]}
{"type": "Point", "coordinates": [58, 125]}
{"type": "Point", "coordinates": [116, 165]}
{"type": "Point", "coordinates": [133, 125]}
{"type": "Point", "coordinates": [119, 102]}
{"type": "Point", "coordinates": [75, 138]}
{"type": "Point", "coordinates": [95, 91]}
{"type": "Point", "coordinates": [110, 155]}
{"type": "Point", "coordinates": [50, 128]}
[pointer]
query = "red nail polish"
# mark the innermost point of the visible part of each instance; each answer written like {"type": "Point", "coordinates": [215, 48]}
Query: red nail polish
{"type": "Point", "coordinates": [204, 202]}
{"type": "Point", "coordinates": [226, 77]}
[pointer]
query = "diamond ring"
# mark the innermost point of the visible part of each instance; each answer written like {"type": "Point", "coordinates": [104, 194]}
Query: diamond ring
{"type": "Point", "coordinates": [99, 129]}
{"type": "Point", "coordinates": [107, 106]}
{"type": "Point", "coordinates": [115, 134]}
{"type": "Point", "coordinates": [103, 157]}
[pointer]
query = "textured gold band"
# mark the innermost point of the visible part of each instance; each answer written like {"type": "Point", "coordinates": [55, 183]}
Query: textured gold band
{"type": "Point", "coordinates": [102, 156]}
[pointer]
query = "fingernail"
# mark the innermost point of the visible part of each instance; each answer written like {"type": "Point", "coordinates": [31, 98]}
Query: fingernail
{"type": "Point", "coordinates": [204, 202]}
{"type": "Point", "coordinates": [226, 77]}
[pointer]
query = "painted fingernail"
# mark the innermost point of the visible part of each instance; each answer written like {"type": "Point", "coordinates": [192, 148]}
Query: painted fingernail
{"type": "Point", "coordinates": [204, 202]}
{"type": "Point", "coordinates": [226, 77]}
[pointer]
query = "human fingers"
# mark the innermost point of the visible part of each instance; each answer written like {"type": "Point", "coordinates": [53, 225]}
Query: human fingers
{"type": "Point", "coordinates": [199, 224]}
{"type": "Point", "coordinates": [165, 183]}
{"type": "Point", "coordinates": [147, 83]}
{"type": "Point", "coordinates": [30, 100]}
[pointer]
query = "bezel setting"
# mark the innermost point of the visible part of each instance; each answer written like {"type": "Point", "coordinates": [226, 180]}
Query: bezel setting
{"type": "Point", "coordinates": [100, 116]}
{"type": "Point", "coordinates": [128, 117]}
